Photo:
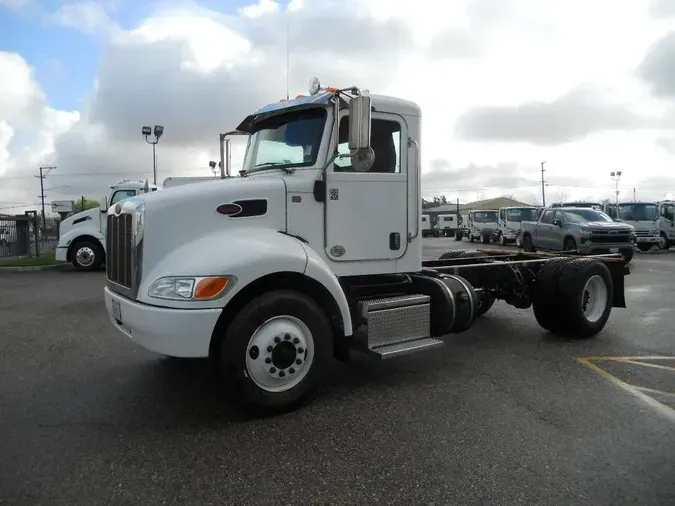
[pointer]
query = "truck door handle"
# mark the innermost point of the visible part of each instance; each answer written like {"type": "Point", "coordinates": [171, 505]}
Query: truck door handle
{"type": "Point", "coordinates": [394, 241]}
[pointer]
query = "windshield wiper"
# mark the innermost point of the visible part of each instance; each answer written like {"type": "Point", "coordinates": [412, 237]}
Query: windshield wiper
{"type": "Point", "coordinates": [264, 166]}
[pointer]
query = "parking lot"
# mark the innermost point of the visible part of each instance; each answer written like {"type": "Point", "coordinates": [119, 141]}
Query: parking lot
{"type": "Point", "coordinates": [504, 414]}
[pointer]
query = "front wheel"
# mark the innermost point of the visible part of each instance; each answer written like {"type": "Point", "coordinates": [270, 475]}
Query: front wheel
{"type": "Point", "coordinates": [274, 351]}
{"type": "Point", "coordinates": [663, 243]}
{"type": "Point", "coordinates": [87, 256]}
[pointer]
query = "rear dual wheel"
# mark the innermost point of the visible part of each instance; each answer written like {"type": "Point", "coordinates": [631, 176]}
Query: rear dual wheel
{"type": "Point", "coordinates": [573, 296]}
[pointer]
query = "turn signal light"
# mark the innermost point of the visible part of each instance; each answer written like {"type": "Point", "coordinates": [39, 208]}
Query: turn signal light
{"type": "Point", "coordinates": [208, 288]}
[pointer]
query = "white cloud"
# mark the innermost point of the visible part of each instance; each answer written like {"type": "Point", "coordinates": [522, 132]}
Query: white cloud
{"type": "Point", "coordinates": [522, 81]}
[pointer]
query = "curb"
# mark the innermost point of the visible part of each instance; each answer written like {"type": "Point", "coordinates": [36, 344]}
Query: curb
{"type": "Point", "coordinates": [35, 268]}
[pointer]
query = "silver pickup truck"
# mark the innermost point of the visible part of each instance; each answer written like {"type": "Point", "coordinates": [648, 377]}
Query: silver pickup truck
{"type": "Point", "coordinates": [577, 229]}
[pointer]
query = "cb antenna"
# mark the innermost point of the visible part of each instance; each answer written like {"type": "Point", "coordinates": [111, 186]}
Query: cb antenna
{"type": "Point", "coordinates": [288, 56]}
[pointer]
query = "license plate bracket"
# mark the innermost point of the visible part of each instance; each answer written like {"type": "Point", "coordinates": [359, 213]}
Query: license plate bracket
{"type": "Point", "coordinates": [116, 310]}
{"type": "Point", "coordinates": [613, 250]}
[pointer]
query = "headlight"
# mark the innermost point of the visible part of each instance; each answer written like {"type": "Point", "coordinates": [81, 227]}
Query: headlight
{"type": "Point", "coordinates": [188, 288]}
{"type": "Point", "coordinates": [585, 233]}
{"type": "Point", "coordinates": [654, 231]}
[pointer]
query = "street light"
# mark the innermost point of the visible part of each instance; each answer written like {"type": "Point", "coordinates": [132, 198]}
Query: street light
{"type": "Point", "coordinates": [146, 131]}
{"type": "Point", "coordinates": [615, 177]}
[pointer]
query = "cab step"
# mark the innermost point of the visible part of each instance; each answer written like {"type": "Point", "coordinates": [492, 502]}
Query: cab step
{"type": "Point", "coordinates": [396, 325]}
{"type": "Point", "coordinates": [405, 348]}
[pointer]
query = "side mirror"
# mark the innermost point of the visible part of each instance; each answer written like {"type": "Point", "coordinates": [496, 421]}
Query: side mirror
{"type": "Point", "coordinates": [359, 123]}
{"type": "Point", "coordinates": [557, 222]}
{"type": "Point", "coordinates": [104, 204]}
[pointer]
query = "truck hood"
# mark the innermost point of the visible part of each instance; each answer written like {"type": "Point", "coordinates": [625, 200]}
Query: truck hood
{"type": "Point", "coordinates": [186, 213]}
{"type": "Point", "coordinates": [604, 225]}
{"type": "Point", "coordinates": [85, 217]}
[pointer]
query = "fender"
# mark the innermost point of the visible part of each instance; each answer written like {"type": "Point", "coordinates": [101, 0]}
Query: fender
{"type": "Point", "coordinates": [89, 227]}
{"type": "Point", "coordinates": [318, 270]}
{"type": "Point", "coordinates": [250, 253]}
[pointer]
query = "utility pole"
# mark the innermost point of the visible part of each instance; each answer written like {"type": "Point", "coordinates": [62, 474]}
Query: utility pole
{"type": "Point", "coordinates": [543, 185]}
{"type": "Point", "coordinates": [44, 170]}
{"type": "Point", "coordinates": [634, 198]}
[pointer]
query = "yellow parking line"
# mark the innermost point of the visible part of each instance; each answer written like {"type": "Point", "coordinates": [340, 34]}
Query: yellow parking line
{"type": "Point", "coordinates": [647, 357]}
{"type": "Point", "coordinates": [647, 364]}
{"type": "Point", "coordinates": [667, 411]}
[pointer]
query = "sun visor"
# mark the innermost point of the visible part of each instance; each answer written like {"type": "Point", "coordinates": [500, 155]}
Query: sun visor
{"type": "Point", "coordinates": [285, 106]}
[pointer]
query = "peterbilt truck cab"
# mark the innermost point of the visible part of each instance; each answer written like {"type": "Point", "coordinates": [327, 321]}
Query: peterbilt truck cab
{"type": "Point", "coordinates": [315, 253]}
{"type": "Point", "coordinates": [82, 235]}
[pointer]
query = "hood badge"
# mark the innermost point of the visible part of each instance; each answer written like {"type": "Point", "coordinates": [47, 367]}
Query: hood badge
{"type": "Point", "coordinates": [118, 209]}
{"type": "Point", "coordinates": [337, 251]}
{"type": "Point", "coordinates": [229, 209]}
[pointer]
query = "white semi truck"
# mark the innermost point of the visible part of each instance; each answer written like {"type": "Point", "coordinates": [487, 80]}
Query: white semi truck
{"type": "Point", "coordinates": [316, 252]}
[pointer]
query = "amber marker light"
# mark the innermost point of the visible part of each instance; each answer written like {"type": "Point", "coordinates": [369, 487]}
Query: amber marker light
{"type": "Point", "coordinates": [209, 288]}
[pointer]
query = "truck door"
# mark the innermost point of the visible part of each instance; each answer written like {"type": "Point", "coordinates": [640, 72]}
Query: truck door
{"type": "Point", "coordinates": [668, 220]}
{"type": "Point", "coordinates": [367, 212]}
{"type": "Point", "coordinates": [545, 230]}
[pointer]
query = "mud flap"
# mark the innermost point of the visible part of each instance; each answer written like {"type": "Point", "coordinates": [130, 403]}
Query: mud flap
{"type": "Point", "coordinates": [618, 270]}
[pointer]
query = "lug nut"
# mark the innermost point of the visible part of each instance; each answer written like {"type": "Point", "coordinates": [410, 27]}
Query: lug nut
{"type": "Point", "coordinates": [282, 374]}
{"type": "Point", "coordinates": [268, 360]}
{"type": "Point", "coordinates": [287, 337]}
{"type": "Point", "coordinates": [301, 350]}
{"type": "Point", "coordinates": [296, 340]}
{"type": "Point", "coordinates": [269, 349]}
{"type": "Point", "coordinates": [298, 361]}
{"type": "Point", "coordinates": [273, 370]}
{"type": "Point", "coordinates": [277, 339]}
{"type": "Point", "coordinates": [291, 370]}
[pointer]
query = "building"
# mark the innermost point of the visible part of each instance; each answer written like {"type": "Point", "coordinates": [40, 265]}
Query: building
{"type": "Point", "coordinates": [487, 204]}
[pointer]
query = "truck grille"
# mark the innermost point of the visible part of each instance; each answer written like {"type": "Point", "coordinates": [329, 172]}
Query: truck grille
{"type": "Point", "coordinates": [119, 249]}
{"type": "Point", "coordinates": [642, 233]}
{"type": "Point", "coordinates": [610, 236]}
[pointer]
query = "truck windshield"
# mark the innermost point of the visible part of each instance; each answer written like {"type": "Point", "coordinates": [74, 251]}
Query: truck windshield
{"type": "Point", "coordinates": [638, 212]}
{"type": "Point", "coordinates": [585, 215]}
{"type": "Point", "coordinates": [523, 214]}
{"type": "Point", "coordinates": [485, 217]}
{"type": "Point", "coordinates": [286, 141]}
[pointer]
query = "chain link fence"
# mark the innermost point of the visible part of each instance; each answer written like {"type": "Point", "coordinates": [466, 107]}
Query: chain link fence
{"type": "Point", "coordinates": [27, 236]}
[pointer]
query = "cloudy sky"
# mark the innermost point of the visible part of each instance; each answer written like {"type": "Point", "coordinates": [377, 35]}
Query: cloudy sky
{"type": "Point", "coordinates": [586, 85]}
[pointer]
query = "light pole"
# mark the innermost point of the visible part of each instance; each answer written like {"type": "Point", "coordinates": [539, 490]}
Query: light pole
{"type": "Point", "coordinates": [615, 177]}
{"type": "Point", "coordinates": [146, 131]}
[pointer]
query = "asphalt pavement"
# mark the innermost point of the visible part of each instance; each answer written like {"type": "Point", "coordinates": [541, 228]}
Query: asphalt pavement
{"type": "Point", "coordinates": [504, 414]}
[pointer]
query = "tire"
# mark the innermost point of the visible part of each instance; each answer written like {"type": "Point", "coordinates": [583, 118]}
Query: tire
{"type": "Point", "coordinates": [585, 296]}
{"type": "Point", "coordinates": [569, 244]}
{"type": "Point", "coordinates": [87, 255]}
{"type": "Point", "coordinates": [628, 254]}
{"type": "Point", "coordinates": [644, 246]}
{"type": "Point", "coordinates": [527, 244]}
{"type": "Point", "coordinates": [276, 324]}
{"type": "Point", "coordinates": [664, 243]}
{"type": "Point", "coordinates": [545, 302]}
{"type": "Point", "coordinates": [485, 239]}
{"type": "Point", "coordinates": [502, 239]}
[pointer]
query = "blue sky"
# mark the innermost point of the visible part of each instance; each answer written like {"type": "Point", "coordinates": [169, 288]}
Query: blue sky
{"type": "Point", "coordinates": [65, 60]}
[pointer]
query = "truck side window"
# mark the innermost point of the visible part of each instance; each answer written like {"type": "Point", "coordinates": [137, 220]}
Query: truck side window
{"type": "Point", "coordinates": [548, 216]}
{"type": "Point", "coordinates": [122, 195]}
{"type": "Point", "coordinates": [385, 139]}
{"type": "Point", "coordinates": [559, 215]}
{"type": "Point", "coordinates": [668, 212]}
{"type": "Point", "coordinates": [502, 214]}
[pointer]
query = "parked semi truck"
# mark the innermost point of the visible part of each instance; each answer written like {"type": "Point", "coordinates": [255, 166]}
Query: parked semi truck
{"type": "Point", "coordinates": [315, 252]}
{"type": "Point", "coordinates": [583, 230]}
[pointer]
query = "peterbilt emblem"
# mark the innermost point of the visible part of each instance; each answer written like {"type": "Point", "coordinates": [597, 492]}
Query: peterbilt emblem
{"type": "Point", "coordinates": [229, 209]}
{"type": "Point", "coordinates": [337, 250]}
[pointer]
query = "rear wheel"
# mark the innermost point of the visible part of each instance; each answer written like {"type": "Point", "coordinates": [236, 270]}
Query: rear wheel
{"type": "Point", "coordinates": [642, 246]}
{"type": "Point", "coordinates": [275, 350]}
{"type": "Point", "coordinates": [458, 236]}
